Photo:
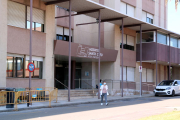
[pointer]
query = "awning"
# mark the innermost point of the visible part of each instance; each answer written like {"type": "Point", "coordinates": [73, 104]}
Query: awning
{"type": "Point", "coordinates": [109, 13]}
{"type": "Point", "coordinates": [81, 52]}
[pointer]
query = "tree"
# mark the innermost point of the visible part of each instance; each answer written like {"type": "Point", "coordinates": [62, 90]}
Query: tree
{"type": "Point", "coordinates": [176, 3]}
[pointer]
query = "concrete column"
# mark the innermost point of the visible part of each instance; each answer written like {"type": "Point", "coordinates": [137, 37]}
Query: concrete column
{"type": "Point", "coordinates": [3, 42]}
{"type": "Point", "coordinates": [50, 29]}
{"type": "Point", "coordinates": [117, 40]}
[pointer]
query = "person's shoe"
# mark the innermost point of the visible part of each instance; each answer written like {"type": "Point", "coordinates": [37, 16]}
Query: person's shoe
{"type": "Point", "coordinates": [107, 104]}
{"type": "Point", "coordinates": [101, 103]}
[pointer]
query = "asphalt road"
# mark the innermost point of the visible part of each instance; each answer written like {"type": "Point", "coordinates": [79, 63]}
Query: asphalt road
{"type": "Point", "coordinates": [132, 109]}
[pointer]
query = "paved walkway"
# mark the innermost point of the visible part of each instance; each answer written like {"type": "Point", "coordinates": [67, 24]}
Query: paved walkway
{"type": "Point", "coordinates": [72, 102]}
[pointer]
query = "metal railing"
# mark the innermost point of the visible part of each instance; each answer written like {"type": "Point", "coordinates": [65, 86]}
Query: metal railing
{"type": "Point", "coordinates": [23, 97]}
{"type": "Point", "coordinates": [79, 84]}
{"type": "Point", "coordinates": [61, 83]}
{"type": "Point", "coordinates": [115, 86]}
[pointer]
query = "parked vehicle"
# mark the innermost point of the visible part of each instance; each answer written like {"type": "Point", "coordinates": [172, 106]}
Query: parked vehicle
{"type": "Point", "coordinates": [167, 87]}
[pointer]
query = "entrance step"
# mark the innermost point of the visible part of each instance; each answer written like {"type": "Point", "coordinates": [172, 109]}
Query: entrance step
{"type": "Point", "coordinates": [77, 94]}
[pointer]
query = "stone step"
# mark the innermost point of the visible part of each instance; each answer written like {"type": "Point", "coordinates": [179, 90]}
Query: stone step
{"type": "Point", "coordinates": [76, 94]}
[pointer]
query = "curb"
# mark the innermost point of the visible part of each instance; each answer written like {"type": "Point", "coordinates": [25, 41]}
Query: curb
{"type": "Point", "coordinates": [70, 104]}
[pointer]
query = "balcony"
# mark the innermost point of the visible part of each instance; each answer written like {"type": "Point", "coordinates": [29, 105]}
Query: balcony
{"type": "Point", "coordinates": [149, 53]}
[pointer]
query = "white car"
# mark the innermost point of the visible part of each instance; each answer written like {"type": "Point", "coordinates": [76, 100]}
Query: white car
{"type": "Point", "coordinates": [167, 87]}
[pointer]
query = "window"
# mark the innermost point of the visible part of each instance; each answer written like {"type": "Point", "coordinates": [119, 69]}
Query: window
{"type": "Point", "coordinates": [128, 73]}
{"type": "Point", "coordinates": [146, 37]}
{"type": "Point", "coordinates": [147, 17]}
{"type": "Point", "coordinates": [19, 16]}
{"type": "Point", "coordinates": [174, 42]}
{"type": "Point", "coordinates": [63, 33]}
{"type": "Point", "coordinates": [36, 26]}
{"type": "Point", "coordinates": [175, 83]}
{"type": "Point", "coordinates": [124, 73]}
{"type": "Point", "coordinates": [161, 38]}
{"type": "Point", "coordinates": [128, 43]}
{"type": "Point", "coordinates": [38, 70]}
{"type": "Point", "coordinates": [16, 65]}
{"type": "Point", "coordinates": [127, 9]}
{"type": "Point", "coordinates": [149, 20]}
{"type": "Point", "coordinates": [16, 14]}
{"type": "Point", "coordinates": [166, 83]}
{"type": "Point", "coordinates": [9, 71]}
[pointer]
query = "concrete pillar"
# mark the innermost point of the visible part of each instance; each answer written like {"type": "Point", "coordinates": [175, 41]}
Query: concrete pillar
{"type": "Point", "coordinates": [117, 40]}
{"type": "Point", "coordinates": [3, 42]}
{"type": "Point", "coordinates": [50, 30]}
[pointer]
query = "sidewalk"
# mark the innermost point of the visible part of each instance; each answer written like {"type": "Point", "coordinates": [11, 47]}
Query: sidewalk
{"type": "Point", "coordinates": [60, 103]}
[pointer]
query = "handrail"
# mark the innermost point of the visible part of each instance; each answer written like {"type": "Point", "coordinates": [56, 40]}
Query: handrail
{"type": "Point", "coordinates": [89, 85]}
{"type": "Point", "coordinates": [61, 83]}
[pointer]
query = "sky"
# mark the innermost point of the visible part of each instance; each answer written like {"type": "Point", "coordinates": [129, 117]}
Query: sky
{"type": "Point", "coordinates": [173, 17]}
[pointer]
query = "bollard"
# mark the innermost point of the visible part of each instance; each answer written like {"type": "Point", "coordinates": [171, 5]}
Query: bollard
{"type": "Point", "coordinates": [27, 99]}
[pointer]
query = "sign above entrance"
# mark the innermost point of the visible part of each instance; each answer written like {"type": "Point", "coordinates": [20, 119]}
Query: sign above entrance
{"type": "Point", "coordinates": [31, 67]}
{"type": "Point", "coordinates": [80, 51]}
{"type": "Point", "coordinates": [88, 52]}
{"type": "Point", "coordinates": [140, 68]}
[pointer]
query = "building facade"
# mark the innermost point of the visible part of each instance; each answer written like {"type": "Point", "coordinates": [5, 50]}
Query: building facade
{"type": "Point", "coordinates": [50, 45]}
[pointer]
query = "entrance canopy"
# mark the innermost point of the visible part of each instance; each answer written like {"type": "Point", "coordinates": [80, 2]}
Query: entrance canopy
{"type": "Point", "coordinates": [90, 8]}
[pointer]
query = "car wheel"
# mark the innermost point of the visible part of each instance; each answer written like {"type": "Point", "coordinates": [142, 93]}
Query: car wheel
{"type": "Point", "coordinates": [173, 93]}
{"type": "Point", "coordinates": [155, 95]}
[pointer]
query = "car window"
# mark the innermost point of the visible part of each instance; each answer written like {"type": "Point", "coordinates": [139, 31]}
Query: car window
{"type": "Point", "coordinates": [166, 83]}
{"type": "Point", "coordinates": [178, 82]}
{"type": "Point", "coordinates": [175, 82]}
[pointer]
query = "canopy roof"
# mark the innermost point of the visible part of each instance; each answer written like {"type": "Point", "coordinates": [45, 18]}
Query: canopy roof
{"type": "Point", "coordinates": [109, 13]}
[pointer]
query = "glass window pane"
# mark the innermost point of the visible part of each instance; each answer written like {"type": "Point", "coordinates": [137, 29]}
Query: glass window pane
{"type": "Point", "coordinates": [26, 70]}
{"type": "Point", "coordinates": [18, 67]}
{"type": "Point", "coordinates": [28, 25]}
{"type": "Point", "coordinates": [9, 70]}
{"type": "Point", "coordinates": [174, 42]}
{"type": "Point", "coordinates": [36, 71]}
{"type": "Point", "coordinates": [147, 20]}
{"type": "Point", "coordinates": [39, 27]}
{"type": "Point", "coordinates": [146, 37]}
{"type": "Point", "coordinates": [161, 38]}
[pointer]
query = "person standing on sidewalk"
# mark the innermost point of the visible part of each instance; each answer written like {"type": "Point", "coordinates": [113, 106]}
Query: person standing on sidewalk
{"type": "Point", "coordinates": [104, 92]}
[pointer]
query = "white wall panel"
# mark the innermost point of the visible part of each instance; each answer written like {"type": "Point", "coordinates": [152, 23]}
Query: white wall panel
{"type": "Point", "coordinates": [144, 75]}
{"type": "Point", "coordinates": [144, 16]}
{"type": "Point", "coordinates": [34, 58]}
{"type": "Point", "coordinates": [124, 73]}
{"type": "Point", "coordinates": [130, 10]}
{"type": "Point", "coordinates": [16, 14]}
{"type": "Point", "coordinates": [150, 16]}
{"type": "Point", "coordinates": [150, 75]}
{"type": "Point", "coordinates": [123, 7]}
{"type": "Point", "coordinates": [66, 31]}
{"type": "Point", "coordinates": [130, 40]}
{"type": "Point", "coordinates": [38, 15]}
{"type": "Point", "coordinates": [59, 30]}
{"type": "Point", "coordinates": [130, 73]}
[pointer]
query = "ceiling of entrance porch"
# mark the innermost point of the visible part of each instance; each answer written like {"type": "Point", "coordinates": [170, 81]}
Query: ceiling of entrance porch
{"type": "Point", "coordinates": [109, 13]}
